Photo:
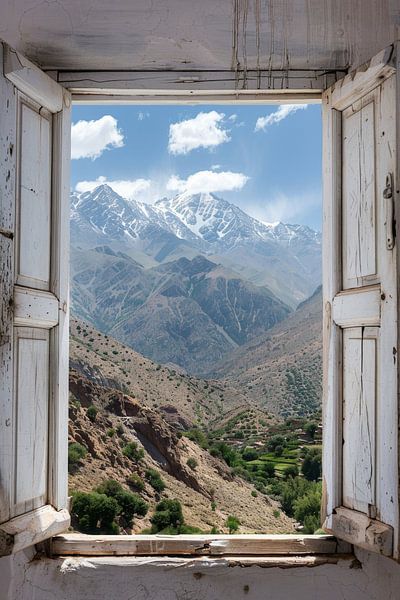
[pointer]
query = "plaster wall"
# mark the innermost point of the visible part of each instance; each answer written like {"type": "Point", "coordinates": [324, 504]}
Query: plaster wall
{"type": "Point", "coordinates": [22, 577]}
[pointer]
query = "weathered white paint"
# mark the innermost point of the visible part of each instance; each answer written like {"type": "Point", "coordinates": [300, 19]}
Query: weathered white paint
{"type": "Point", "coordinates": [34, 315]}
{"type": "Point", "coordinates": [367, 397]}
{"type": "Point", "coordinates": [360, 363]}
{"type": "Point", "coordinates": [360, 530]}
{"type": "Point", "coordinates": [237, 35]}
{"type": "Point", "coordinates": [361, 307]}
{"type": "Point", "coordinates": [34, 196]}
{"type": "Point", "coordinates": [358, 195]}
{"type": "Point", "coordinates": [215, 578]}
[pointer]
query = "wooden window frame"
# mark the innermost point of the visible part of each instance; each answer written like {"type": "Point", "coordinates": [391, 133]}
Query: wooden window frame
{"type": "Point", "coordinates": [155, 88]}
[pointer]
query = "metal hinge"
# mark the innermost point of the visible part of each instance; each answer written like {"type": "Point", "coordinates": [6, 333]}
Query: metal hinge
{"type": "Point", "coordinates": [389, 212]}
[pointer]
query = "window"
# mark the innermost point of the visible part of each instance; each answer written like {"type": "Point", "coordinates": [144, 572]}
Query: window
{"type": "Point", "coordinates": [360, 307]}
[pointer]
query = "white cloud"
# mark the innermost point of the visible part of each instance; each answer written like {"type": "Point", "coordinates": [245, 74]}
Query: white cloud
{"type": "Point", "coordinates": [207, 181]}
{"type": "Point", "coordinates": [297, 208]}
{"type": "Point", "coordinates": [215, 167]}
{"type": "Point", "coordinates": [143, 115]}
{"type": "Point", "coordinates": [283, 111]}
{"type": "Point", "coordinates": [127, 188]}
{"type": "Point", "coordinates": [89, 139]}
{"type": "Point", "coordinates": [232, 118]}
{"type": "Point", "coordinates": [204, 131]}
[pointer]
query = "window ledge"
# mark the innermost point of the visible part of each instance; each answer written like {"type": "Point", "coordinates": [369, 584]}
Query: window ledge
{"type": "Point", "coordinates": [267, 546]}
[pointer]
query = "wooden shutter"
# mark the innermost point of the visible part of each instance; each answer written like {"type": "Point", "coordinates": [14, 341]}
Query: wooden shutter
{"type": "Point", "coordinates": [34, 222]}
{"type": "Point", "coordinates": [360, 307]}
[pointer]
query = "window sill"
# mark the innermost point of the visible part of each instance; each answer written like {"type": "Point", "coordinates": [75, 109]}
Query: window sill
{"type": "Point", "coordinates": [236, 547]}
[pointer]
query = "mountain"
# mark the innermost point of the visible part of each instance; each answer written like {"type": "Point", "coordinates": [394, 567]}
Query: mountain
{"type": "Point", "coordinates": [141, 403]}
{"type": "Point", "coordinates": [187, 312]}
{"type": "Point", "coordinates": [285, 258]}
{"type": "Point", "coordinates": [281, 370]}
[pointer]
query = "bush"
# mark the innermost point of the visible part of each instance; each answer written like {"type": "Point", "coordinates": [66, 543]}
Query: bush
{"type": "Point", "coordinates": [91, 413]}
{"type": "Point", "coordinates": [249, 454]}
{"type": "Point", "coordinates": [111, 432]}
{"type": "Point", "coordinates": [276, 513]}
{"type": "Point", "coordinates": [196, 435]}
{"type": "Point", "coordinates": [129, 504]}
{"type": "Point", "coordinates": [132, 451]}
{"type": "Point", "coordinates": [155, 480]}
{"type": "Point", "coordinates": [310, 429]}
{"type": "Point", "coordinates": [76, 452]}
{"type": "Point", "coordinates": [278, 450]}
{"type": "Point", "coordinates": [94, 512]}
{"type": "Point", "coordinates": [307, 509]}
{"type": "Point", "coordinates": [276, 440]}
{"type": "Point", "coordinates": [269, 469]}
{"type": "Point", "coordinates": [136, 482]}
{"type": "Point", "coordinates": [291, 471]}
{"type": "Point", "coordinates": [232, 523]}
{"type": "Point", "coordinates": [192, 463]}
{"type": "Point", "coordinates": [312, 464]}
{"type": "Point", "coordinates": [254, 493]}
{"type": "Point", "coordinates": [168, 514]}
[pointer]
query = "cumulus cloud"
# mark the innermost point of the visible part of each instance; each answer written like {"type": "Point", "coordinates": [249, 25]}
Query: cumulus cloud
{"type": "Point", "coordinates": [283, 111]}
{"type": "Point", "coordinates": [203, 131]}
{"type": "Point", "coordinates": [207, 181]}
{"type": "Point", "coordinates": [127, 188]}
{"type": "Point", "coordinates": [89, 139]}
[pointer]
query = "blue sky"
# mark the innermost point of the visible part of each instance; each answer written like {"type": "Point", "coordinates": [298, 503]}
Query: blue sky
{"type": "Point", "coordinates": [265, 159]}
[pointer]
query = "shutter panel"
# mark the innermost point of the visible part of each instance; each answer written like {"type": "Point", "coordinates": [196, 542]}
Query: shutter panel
{"type": "Point", "coordinates": [360, 308]}
{"type": "Point", "coordinates": [34, 222]}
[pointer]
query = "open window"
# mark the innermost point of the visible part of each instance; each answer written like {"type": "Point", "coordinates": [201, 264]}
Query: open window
{"type": "Point", "coordinates": [360, 308]}
{"type": "Point", "coordinates": [34, 209]}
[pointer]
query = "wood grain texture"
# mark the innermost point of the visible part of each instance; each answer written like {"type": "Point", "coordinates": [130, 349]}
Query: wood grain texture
{"type": "Point", "coordinates": [7, 214]}
{"type": "Point", "coordinates": [360, 307]}
{"type": "Point", "coordinates": [34, 308]}
{"type": "Point", "coordinates": [192, 545]}
{"type": "Point", "coordinates": [358, 529]}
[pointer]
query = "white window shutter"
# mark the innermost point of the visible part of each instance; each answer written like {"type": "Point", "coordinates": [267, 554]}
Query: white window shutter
{"type": "Point", "coordinates": [34, 225]}
{"type": "Point", "coordinates": [360, 494]}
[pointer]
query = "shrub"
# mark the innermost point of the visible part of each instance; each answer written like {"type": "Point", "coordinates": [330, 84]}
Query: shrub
{"type": "Point", "coordinates": [213, 505]}
{"type": "Point", "coordinates": [155, 480]}
{"type": "Point", "coordinates": [76, 452]}
{"type": "Point", "coordinates": [111, 432]}
{"type": "Point", "coordinates": [269, 469]}
{"type": "Point", "coordinates": [310, 429]}
{"type": "Point", "coordinates": [290, 471]}
{"type": "Point", "coordinates": [192, 463]}
{"type": "Point", "coordinates": [129, 504]}
{"type": "Point", "coordinates": [120, 430]}
{"type": "Point", "coordinates": [307, 509]}
{"type": "Point", "coordinates": [196, 435]}
{"type": "Point", "coordinates": [168, 514]}
{"type": "Point", "coordinates": [278, 450]}
{"type": "Point", "coordinates": [232, 523]}
{"type": "Point", "coordinates": [91, 413]}
{"type": "Point", "coordinates": [276, 440]}
{"type": "Point", "coordinates": [312, 464]}
{"type": "Point", "coordinates": [136, 482]}
{"type": "Point", "coordinates": [249, 454]}
{"type": "Point", "coordinates": [254, 493]}
{"type": "Point", "coordinates": [94, 512]}
{"type": "Point", "coordinates": [132, 451]}
{"type": "Point", "coordinates": [276, 513]}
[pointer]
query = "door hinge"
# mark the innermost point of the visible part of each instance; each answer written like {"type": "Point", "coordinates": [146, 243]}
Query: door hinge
{"type": "Point", "coordinates": [389, 212]}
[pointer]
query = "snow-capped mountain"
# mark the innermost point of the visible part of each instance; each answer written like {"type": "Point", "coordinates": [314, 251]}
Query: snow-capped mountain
{"type": "Point", "coordinates": [286, 258]}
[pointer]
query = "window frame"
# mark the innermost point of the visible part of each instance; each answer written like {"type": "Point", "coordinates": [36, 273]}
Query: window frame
{"type": "Point", "coordinates": [157, 88]}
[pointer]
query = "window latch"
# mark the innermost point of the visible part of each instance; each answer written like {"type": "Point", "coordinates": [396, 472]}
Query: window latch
{"type": "Point", "coordinates": [389, 209]}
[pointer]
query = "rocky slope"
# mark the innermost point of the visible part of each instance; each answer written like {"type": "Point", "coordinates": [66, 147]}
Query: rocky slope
{"type": "Point", "coordinates": [281, 371]}
{"type": "Point", "coordinates": [209, 493]}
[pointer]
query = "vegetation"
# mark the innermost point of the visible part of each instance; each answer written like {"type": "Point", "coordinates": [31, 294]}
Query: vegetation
{"type": "Point", "coordinates": [155, 480]}
{"type": "Point", "coordinates": [76, 452]}
{"type": "Point", "coordinates": [312, 464]}
{"type": "Point", "coordinates": [136, 482]}
{"type": "Point", "coordinates": [232, 523]}
{"type": "Point", "coordinates": [91, 413]}
{"type": "Point", "coordinates": [106, 509]}
{"type": "Point", "coordinates": [192, 463]}
{"type": "Point", "coordinates": [132, 451]}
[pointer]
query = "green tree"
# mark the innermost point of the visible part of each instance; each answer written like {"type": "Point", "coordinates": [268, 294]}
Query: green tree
{"type": "Point", "coordinates": [249, 454]}
{"type": "Point", "coordinates": [94, 512]}
{"type": "Point", "coordinates": [276, 440]}
{"type": "Point", "coordinates": [129, 504]}
{"type": "Point", "coordinates": [136, 482]}
{"type": "Point", "coordinates": [278, 450]}
{"type": "Point", "coordinates": [312, 464]}
{"type": "Point", "coordinates": [168, 514]}
{"type": "Point", "coordinates": [232, 523]}
{"type": "Point", "coordinates": [307, 509]}
{"type": "Point", "coordinates": [291, 471]}
{"type": "Point", "coordinates": [310, 428]}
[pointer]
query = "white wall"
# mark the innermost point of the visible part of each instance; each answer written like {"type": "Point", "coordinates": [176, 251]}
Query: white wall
{"type": "Point", "coordinates": [370, 577]}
